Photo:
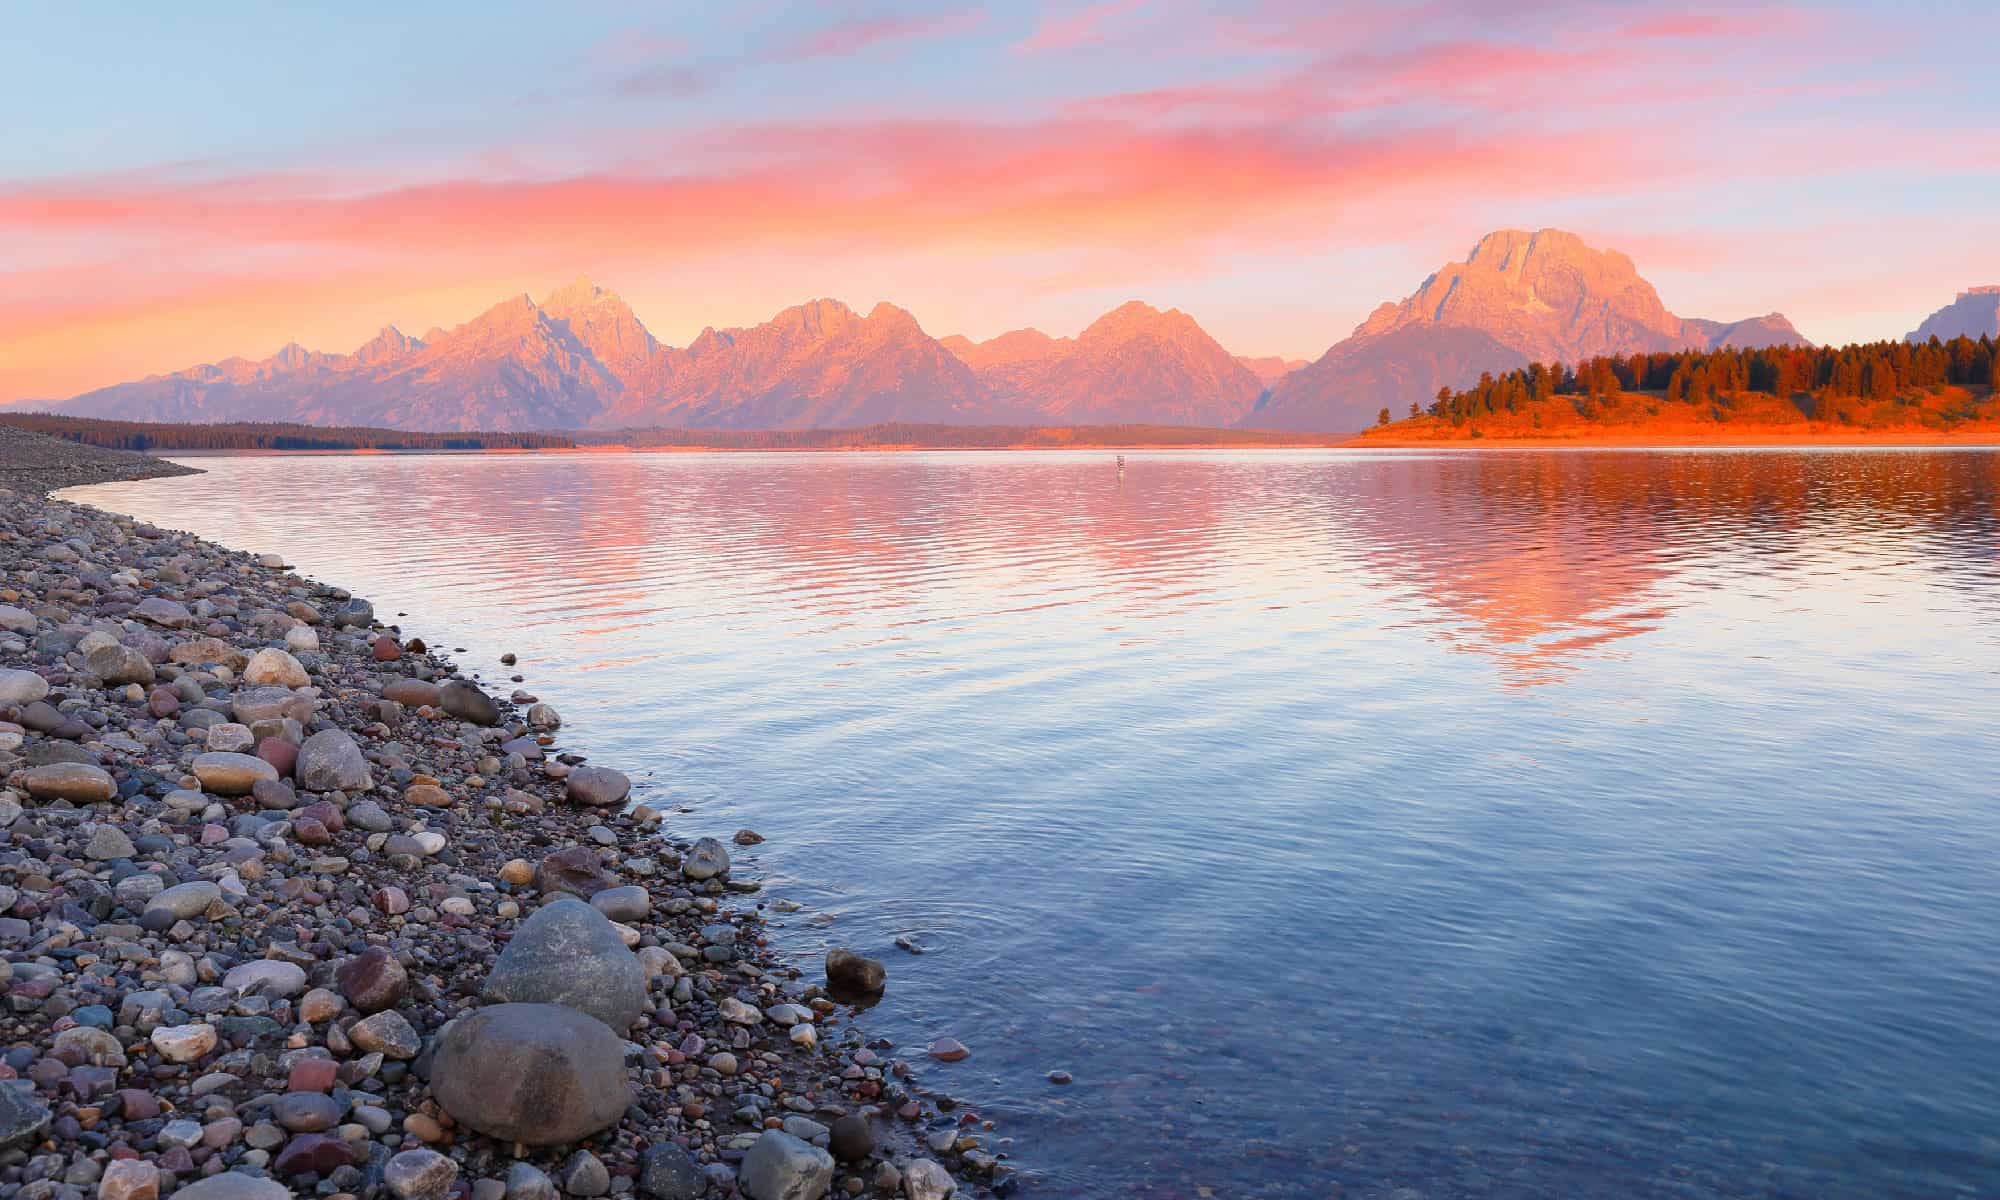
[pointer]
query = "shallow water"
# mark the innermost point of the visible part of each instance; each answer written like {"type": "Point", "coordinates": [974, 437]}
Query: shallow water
{"type": "Point", "coordinates": [1489, 824]}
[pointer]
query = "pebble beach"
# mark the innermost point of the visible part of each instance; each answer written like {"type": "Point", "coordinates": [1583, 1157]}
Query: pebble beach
{"type": "Point", "coordinates": [291, 906]}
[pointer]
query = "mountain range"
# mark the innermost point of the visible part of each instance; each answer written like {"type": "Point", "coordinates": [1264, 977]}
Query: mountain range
{"type": "Point", "coordinates": [1518, 298]}
{"type": "Point", "coordinates": [1975, 313]}
{"type": "Point", "coordinates": [581, 359]}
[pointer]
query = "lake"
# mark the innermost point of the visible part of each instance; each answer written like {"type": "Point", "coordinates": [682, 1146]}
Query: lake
{"type": "Point", "coordinates": [1487, 824]}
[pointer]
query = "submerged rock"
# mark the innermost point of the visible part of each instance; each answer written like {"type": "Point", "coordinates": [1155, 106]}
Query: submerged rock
{"type": "Point", "coordinates": [851, 972]}
{"type": "Point", "coordinates": [706, 859]}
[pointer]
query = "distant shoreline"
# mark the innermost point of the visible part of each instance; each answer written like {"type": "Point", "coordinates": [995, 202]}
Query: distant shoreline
{"type": "Point", "coordinates": [1983, 440]}
{"type": "Point", "coordinates": [71, 450]}
{"type": "Point", "coordinates": [1330, 443]}
{"type": "Point", "coordinates": [1859, 439]}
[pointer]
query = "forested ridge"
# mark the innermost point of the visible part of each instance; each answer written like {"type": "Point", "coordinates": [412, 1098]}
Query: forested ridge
{"type": "Point", "coordinates": [1877, 385]}
{"type": "Point", "coordinates": [166, 438]}
{"type": "Point", "coordinates": [257, 435]}
{"type": "Point", "coordinates": [948, 437]}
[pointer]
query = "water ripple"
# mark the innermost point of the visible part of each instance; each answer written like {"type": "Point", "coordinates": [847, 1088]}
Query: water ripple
{"type": "Point", "coordinates": [1495, 825]}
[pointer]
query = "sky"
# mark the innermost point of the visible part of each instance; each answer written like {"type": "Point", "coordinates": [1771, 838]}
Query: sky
{"type": "Point", "coordinates": [181, 183]}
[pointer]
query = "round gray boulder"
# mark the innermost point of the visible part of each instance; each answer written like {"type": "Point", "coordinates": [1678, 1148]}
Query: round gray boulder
{"type": "Point", "coordinates": [537, 1074]}
{"type": "Point", "coordinates": [119, 664]}
{"type": "Point", "coordinates": [331, 761]}
{"type": "Point", "coordinates": [233, 1185]}
{"type": "Point", "coordinates": [781, 1167]}
{"type": "Point", "coordinates": [21, 687]}
{"type": "Point", "coordinates": [568, 953]}
{"type": "Point", "coordinates": [597, 787]}
{"type": "Point", "coordinates": [706, 859]}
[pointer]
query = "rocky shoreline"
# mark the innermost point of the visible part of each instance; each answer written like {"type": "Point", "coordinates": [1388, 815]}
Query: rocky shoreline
{"type": "Point", "coordinates": [33, 462]}
{"type": "Point", "coordinates": [288, 907]}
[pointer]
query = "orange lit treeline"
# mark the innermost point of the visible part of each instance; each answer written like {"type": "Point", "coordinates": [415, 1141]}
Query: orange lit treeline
{"type": "Point", "coordinates": [1814, 377]}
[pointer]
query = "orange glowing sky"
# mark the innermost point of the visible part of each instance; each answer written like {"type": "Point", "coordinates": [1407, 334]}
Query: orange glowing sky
{"type": "Point", "coordinates": [214, 185]}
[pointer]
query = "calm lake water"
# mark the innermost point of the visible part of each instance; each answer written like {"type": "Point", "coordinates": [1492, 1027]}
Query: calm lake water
{"type": "Point", "coordinates": [1485, 824]}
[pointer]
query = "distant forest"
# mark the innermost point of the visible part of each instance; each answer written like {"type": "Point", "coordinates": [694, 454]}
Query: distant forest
{"type": "Point", "coordinates": [250, 435]}
{"type": "Point", "coordinates": [1869, 385]}
{"type": "Point", "coordinates": [948, 437]}
{"type": "Point", "coordinates": [257, 435]}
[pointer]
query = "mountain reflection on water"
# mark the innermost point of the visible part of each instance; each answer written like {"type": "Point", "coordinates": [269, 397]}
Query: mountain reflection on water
{"type": "Point", "coordinates": [1488, 824]}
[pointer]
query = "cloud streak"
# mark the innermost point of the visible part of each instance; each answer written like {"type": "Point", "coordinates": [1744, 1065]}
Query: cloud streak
{"type": "Point", "coordinates": [1189, 147]}
{"type": "Point", "coordinates": [1088, 26]}
{"type": "Point", "coordinates": [848, 38]}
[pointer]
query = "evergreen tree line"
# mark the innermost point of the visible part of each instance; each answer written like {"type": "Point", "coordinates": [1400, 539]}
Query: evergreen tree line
{"type": "Point", "coordinates": [255, 435]}
{"type": "Point", "coordinates": [251, 435]}
{"type": "Point", "coordinates": [948, 437]}
{"type": "Point", "coordinates": [1872, 371]}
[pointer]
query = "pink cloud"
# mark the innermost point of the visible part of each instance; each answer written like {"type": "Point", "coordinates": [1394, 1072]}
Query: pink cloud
{"type": "Point", "coordinates": [856, 36]}
{"type": "Point", "coordinates": [1756, 22]}
{"type": "Point", "coordinates": [1312, 135]}
{"type": "Point", "coordinates": [944, 197]}
{"type": "Point", "coordinates": [1082, 28]}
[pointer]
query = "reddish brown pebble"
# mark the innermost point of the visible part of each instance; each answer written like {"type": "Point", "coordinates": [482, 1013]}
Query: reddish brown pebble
{"type": "Point", "coordinates": [326, 814]}
{"type": "Point", "coordinates": [313, 1152]}
{"type": "Point", "coordinates": [313, 1075]}
{"type": "Point", "coordinates": [281, 754]}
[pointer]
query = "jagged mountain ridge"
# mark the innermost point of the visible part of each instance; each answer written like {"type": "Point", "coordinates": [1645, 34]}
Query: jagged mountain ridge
{"type": "Point", "coordinates": [815, 365]}
{"type": "Point", "coordinates": [1133, 365]}
{"type": "Point", "coordinates": [582, 359]}
{"type": "Point", "coordinates": [1517, 298]}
